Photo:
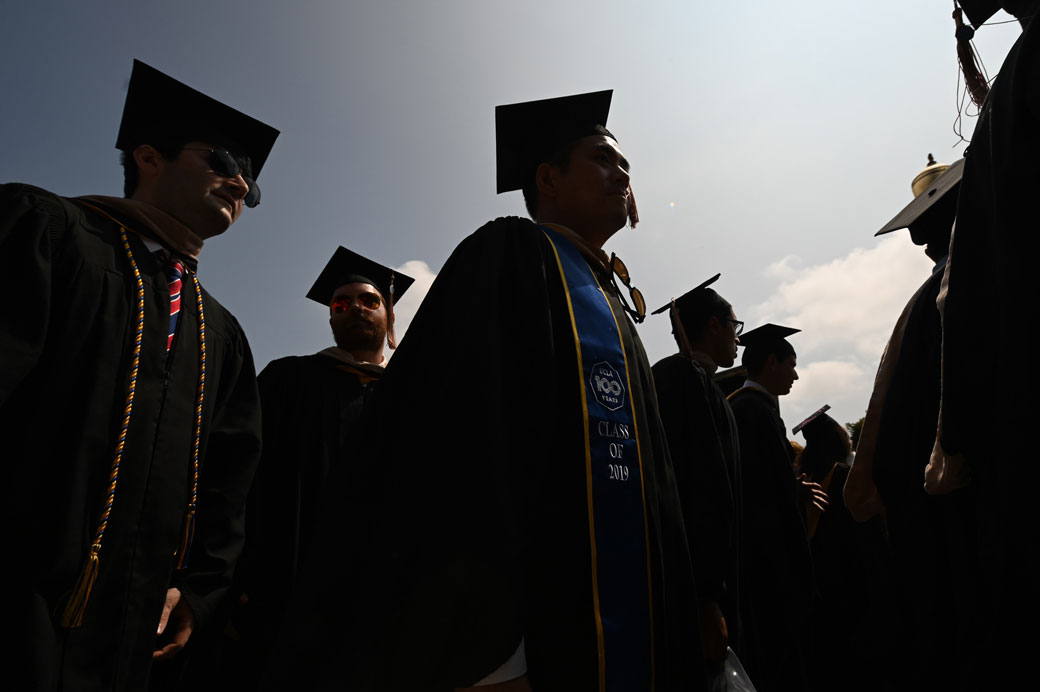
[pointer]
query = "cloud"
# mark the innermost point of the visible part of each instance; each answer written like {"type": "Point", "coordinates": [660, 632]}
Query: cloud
{"type": "Point", "coordinates": [849, 305]}
{"type": "Point", "coordinates": [409, 305]}
{"type": "Point", "coordinates": [835, 382]}
{"type": "Point", "coordinates": [846, 309]}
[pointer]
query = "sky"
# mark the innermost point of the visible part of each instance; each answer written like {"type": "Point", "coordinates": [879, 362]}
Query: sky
{"type": "Point", "coordinates": [768, 142]}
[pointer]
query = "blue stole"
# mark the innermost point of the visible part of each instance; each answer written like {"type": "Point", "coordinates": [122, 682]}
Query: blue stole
{"type": "Point", "coordinates": [621, 588]}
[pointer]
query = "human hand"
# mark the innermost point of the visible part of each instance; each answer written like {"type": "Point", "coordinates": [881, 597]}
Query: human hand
{"type": "Point", "coordinates": [812, 493]}
{"type": "Point", "coordinates": [175, 625]}
{"type": "Point", "coordinates": [945, 472]}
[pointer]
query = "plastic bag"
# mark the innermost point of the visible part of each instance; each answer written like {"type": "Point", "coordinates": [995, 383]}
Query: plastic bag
{"type": "Point", "coordinates": [732, 677]}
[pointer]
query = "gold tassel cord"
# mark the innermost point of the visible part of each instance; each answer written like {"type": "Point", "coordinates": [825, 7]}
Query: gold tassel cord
{"type": "Point", "coordinates": [76, 605]}
{"type": "Point", "coordinates": [188, 534]}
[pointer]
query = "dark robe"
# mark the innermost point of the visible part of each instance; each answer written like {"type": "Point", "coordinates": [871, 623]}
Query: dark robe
{"type": "Point", "coordinates": [66, 339]}
{"type": "Point", "coordinates": [776, 583]}
{"type": "Point", "coordinates": [311, 411]}
{"type": "Point", "coordinates": [931, 537]}
{"type": "Point", "coordinates": [467, 528]}
{"type": "Point", "coordinates": [856, 644]}
{"type": "Point", "coordinates": [989, 413]}
{"type": "Point", "coordinates": [702, 439]}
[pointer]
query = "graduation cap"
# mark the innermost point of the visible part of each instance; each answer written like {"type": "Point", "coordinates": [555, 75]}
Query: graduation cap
{"type": "Point", "coordinates": [931, 186]}
{"type": "Point", "coordinates": [766, 336]}
{"type": "Point", "coordinates": [979, 11]}
{"type": "Point", "coordinates": [159, 106]}
{"type": "Point", "coordinates": [812, 417]}
{"type": "Point", "coordinates": [347, 267]}
{"type": "Point", "coordinates": [528, 134]}
{"type": "Point", "coordinates": [689, 299]}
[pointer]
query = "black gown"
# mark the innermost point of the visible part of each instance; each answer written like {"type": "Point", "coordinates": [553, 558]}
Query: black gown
{"type": "Point", "coordinates": [311, 422]}
{"type": "Point", "coordinates": [989, 413]}
{"type": "Point", "coordinates": [776, 587]}
{"type": "Point", "coordinates": [66, 339]}
{"type": "Point", "coordinates": [932, 538]}
{"type": "Point", "coordinates": [467, 527]}
{"type": "Point", "coordinates": [702, 439]}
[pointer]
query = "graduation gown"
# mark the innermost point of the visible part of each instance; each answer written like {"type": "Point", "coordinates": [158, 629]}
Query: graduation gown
{"type": "Point", "coordinates": [702, 439]}
{"type": "Point", "coordinates": [312, 408]}
{"type": "Point", "coordinates": [777, 566]}
{"type": "Point", "coordinates": [987, 303]}
{"type": "Point", "coordinates": [66, 340]}
{"type": "Point", "coordinates": [468, 528]}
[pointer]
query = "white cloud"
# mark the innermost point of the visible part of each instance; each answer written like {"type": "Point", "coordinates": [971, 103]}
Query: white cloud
{"type": "Point", "coordinates": [846, 309]}
{"type": "Point", "coordinates": [835, 382]}
{"type": "Point", "coordinates": [848, 305]}
{"type": "Point", "coordinates": [409, 305]}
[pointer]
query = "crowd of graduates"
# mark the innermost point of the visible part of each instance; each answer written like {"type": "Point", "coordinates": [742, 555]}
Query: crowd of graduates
{"type": "Point", "coordinates": [545, 511]}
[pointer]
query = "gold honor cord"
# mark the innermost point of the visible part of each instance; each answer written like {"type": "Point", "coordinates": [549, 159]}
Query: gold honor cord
{"type": "Point", "coordinates": [189, 519]}
{"type": "Point", "coordinates": [75, 607]}
{"type": "Point", "coordinates": [77, 603]}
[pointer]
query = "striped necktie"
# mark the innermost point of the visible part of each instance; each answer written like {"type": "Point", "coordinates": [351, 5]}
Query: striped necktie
{"type": "Point", "coordinates": [174, 272]}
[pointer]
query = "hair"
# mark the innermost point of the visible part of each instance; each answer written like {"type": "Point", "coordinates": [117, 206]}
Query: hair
{"type": "Point", "coordinates": [696, 312]}
{"type": "Point", "coordinates": [560, 159]}
{"type": "Point", "coordinates": [826, 443]}
{"type": "Point", "coordinates": [755, 356]}
{"type": "Point", "coordinates": [168, 146]}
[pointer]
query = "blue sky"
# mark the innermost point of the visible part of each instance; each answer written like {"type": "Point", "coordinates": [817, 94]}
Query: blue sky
{"type": "Point", "coordinates": [768, 142]}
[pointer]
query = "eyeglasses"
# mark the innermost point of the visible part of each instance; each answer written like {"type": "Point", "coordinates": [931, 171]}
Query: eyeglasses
{"type": "Point", "coordinates": [621, 271]}
{"type": "Point", "coordinates": [369, 301]}
{"type": "Point", "coordinates": [227, 166]}
{"type": "Point", "coordinates": [738, 326]}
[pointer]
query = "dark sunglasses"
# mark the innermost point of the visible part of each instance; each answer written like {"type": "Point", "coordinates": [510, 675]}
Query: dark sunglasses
{"type": "Point", "coordinates": [369, 301]}
{"type": "Point", "coordinates": [227, 166]}
{"type": "Point", "coordinates": [621, 271]}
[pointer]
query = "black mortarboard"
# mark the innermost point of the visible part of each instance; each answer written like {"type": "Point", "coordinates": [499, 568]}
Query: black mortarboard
{"type": "Point", "coordinates": [766, 335]}
{"type": "Point", "coordinates": [939, 189]}
{"type": "Point", "coordinates": [347, 267]}
{"type": "Point", "coordinates": [979, 11]}
{"type": "Point", "coordinates": [528, 134]}
{"type": "Point", "coordinates": [157, 105]}
{"type": "Point", "coordinates": [688, 299]}
{"type": "Point", "coordinates": [812, 417]}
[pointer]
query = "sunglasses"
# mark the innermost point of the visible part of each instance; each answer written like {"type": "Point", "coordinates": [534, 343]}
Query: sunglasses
{"type": "Point", "coordinates": [621, 272]}
{"type": "Point", "coordinates": [227, 166]}
{"type": "Point", "coordinates": [369, 301]}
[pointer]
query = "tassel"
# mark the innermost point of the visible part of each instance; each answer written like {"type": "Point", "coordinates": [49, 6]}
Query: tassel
{"type": "Point", "coordinates": [391, 340]}
{"type": "Point", "coordinates": [76, 606]}
{"type": "Point", "coordinates": [974, 81]}
{"type": "Point", "coordinates": [186, 539]}
{"type": "Point", "coordinates": [633, 213]}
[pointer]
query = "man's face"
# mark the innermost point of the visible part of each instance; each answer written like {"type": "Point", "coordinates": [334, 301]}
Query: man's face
{"type": "Point", "coordinates": [726, 351]}
{"type": "Point", "coordinates": [785, 375]}
{"type": "Point", "coordinates": [188, 189]}
{"type": "Point", "coordinates": [357, 328]}
{"type": "Point", "coordinates": [593, 192]}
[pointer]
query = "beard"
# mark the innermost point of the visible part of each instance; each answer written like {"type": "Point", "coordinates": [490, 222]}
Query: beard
{"type": "Point", "coordinates": [358, 335]}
